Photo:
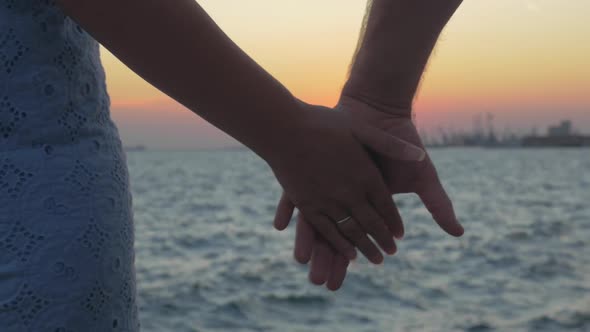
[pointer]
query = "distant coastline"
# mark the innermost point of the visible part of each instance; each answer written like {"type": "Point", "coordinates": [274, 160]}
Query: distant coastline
{"type": "Point", "coordinates": [135, 148]}
{"type": "Point", "coordinates": [560, 135]}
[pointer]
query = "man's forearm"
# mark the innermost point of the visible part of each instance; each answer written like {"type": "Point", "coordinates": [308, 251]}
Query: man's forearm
{"type": "Point", "coordinates": [175, 46]}
{"type": "Point", "coordinates": [397, 41]}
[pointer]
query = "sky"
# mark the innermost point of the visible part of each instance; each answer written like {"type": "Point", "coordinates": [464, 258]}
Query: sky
{"type": "Point", "coordinates": [524, 61]}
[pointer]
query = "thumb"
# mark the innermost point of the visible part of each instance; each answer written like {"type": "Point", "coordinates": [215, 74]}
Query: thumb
{"type": "Point", "coordinates": [440, 207]}
{"type": "Point", "coordinates": [388, 145]}
{"type": "Point", "coordinates": [284, 212]}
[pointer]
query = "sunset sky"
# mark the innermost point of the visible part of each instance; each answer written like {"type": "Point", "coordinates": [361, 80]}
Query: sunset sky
{"type": "Point", "coordinates": [525, 61]}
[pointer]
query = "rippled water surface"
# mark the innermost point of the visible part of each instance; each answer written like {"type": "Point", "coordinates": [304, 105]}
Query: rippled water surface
{"type": "Point", "coordinates": [208, 259]}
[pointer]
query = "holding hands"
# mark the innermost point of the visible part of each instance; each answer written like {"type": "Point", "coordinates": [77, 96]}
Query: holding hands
{"type": "Point", "coordinates": [330, 176]}
{"type": "Point", "coordinates": [400, 176]}
{"type": "Point", "coordinates": [378, 95]}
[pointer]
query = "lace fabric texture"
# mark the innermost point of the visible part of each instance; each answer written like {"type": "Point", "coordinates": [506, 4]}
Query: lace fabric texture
{"type": "Point", "coordinates": [66, 222]}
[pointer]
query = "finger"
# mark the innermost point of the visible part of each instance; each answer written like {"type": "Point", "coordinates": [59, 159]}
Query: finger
{"type": "Point", "coordinates": [305, 240]}
{"type": "Point", "coordinates": [373, 224]}
{"type": "Point", "coordinates": [327, 229]}
{"type": "Point", "coordinates": [388, 145]}
{"type": "Point", "coordinates": [338, 272]}
{"type": "Point", "coordinates": [354, 232]}
{"type": "Point", "coordinates": [383, 202]}
{"type": "Point", "coordinates": [321, 263]}
{"type": "Point", "coordinates": [440, 207]}
{"type": "Point", "coordinates": [284, 212]}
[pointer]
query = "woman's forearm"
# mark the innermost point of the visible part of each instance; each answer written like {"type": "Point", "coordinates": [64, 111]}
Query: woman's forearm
{"type": "Point", "coordinates": [393, 51]}
{"type": "Point", "coordinates": [176, 46]}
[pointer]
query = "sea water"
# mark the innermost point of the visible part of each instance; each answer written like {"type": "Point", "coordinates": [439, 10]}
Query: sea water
{"type": "Point", "coordinates": [208, 258]}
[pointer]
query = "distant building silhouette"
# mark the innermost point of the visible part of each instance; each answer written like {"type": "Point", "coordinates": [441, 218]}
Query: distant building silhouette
{"type": "Point", "coordinates": [561, 134]}
{"type": "Point", "coordinates": [563, 129]}
{"type": "Point", "coordinates": [558, 135]}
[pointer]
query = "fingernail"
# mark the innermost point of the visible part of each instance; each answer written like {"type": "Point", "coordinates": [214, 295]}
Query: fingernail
{"type": "Point", "coordinates": [392, 251]}
{"type": "Point", "coordinates": [414, 153]}
{"type": "Point", "coordinates": [377, 260]}
{"type": "Point", "coordinates": [461, 230]}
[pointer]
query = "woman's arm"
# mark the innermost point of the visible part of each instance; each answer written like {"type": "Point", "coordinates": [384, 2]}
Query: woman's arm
{"type": "Point", "coordinates": [176, 46]}
{"type": "Point", "coordinates": [397, 39]}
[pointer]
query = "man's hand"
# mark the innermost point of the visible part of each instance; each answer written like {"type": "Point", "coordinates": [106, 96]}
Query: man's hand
{"type": "Point", "coordinates": [407, 176]}
{"type": "Point", "coordinates": [400, 176]}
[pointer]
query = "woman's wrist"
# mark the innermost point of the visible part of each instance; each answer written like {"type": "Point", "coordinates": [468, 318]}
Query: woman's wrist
{"type": "Point", "coordinates": [283, 134]}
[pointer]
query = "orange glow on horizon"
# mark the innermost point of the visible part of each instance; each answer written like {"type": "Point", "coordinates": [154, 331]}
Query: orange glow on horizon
{"type": "Point", "coordinates": [493, 56]}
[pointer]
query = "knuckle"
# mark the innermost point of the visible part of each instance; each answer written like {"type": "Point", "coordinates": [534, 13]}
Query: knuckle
{"type": "Point", "coordinates": [346, 196]}
{"type": "Point", "coordinates": [355, 203]}
{"type": "Point", "coordinates": [322, 226]}
{"type": "Point", "coordinates": [310, 210]}
{"type": "Point", "coordinates": [350, 198]}
{"type": "Point", "coordinates": [373, 222]}
{"type": "Point", "coordinates": [340, 191]}
{"type": "Point", "coordinates": [354, 233]}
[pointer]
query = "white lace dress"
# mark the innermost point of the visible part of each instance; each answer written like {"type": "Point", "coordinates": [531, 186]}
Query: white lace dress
{"type": "Point", "coordinates": [66, 223]}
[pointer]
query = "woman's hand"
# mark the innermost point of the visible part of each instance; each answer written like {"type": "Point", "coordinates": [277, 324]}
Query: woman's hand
{"type": "Point", "coordinates": [327, 266]}
{"type": "Point", "coordinates": [328, 174]}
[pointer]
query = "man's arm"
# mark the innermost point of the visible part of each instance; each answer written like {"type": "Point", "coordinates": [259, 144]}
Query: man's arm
{"type": "Point", "coordinates": [397, 39]}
